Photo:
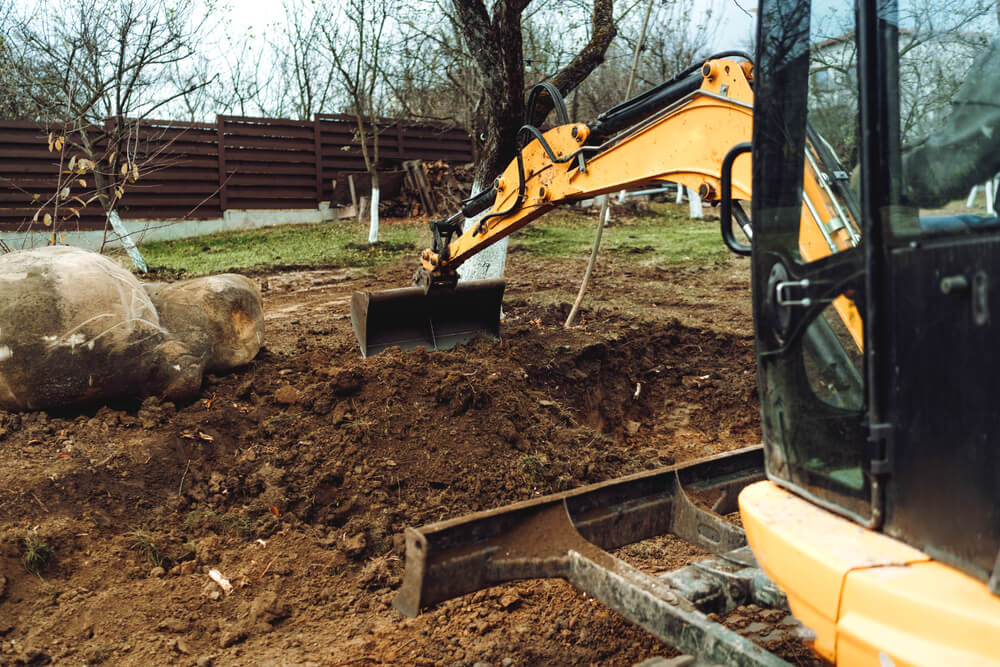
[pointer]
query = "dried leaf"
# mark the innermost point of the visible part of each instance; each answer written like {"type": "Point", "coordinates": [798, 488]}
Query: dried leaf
{"type": "Point", "coordinates": [82, 203]}
{"type": "Point", "coordinates": [63, 237]}
{"type": "Point", "coordinates": [47, 220]}
{"type": "Point", "coordinates": [74, 211]}
{"type": "Point", "coordinates": [60, 142]}
{"type": "Point", "coordinates": [35, 197]}
{"type": "Point", "coordinates": [64, 193]}
{"type": "Point", "coordinates": [135, 172]}
{"type": "Point", "coordinates": [50, 142]}
{"type": "Point", "coordinates": [72, 163]}
{"type": "Point", "coordinates": [52, 239]}
{"type": "Point", "coordinates": [187, 436]}
{"type": "Point", "coordinates": [81, 182]}
{"type": "Point", "coordinates": [206, 437]}
{"type": "Point", "coordinates": [124, 169]}
{"type": "Point", "coordinates": [34, 218]}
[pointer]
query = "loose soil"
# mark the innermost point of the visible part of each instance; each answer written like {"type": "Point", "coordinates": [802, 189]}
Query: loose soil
{"type": "Point", "coordinates": [295, 476]}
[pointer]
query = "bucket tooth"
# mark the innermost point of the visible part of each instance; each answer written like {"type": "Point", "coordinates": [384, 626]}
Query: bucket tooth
{"type": "Point", "coordinates": [409, 317]}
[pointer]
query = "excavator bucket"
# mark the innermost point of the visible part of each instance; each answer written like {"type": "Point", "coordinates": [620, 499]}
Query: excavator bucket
{"type": "Point", "coordinates": [409, 317]}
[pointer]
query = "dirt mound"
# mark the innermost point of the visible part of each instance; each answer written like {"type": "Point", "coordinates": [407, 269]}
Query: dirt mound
{"type": "Point", "coordinates": [295, 476]}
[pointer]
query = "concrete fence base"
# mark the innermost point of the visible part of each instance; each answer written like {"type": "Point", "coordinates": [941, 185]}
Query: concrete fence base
{"type": "Point", "coordinates": [144, 231]}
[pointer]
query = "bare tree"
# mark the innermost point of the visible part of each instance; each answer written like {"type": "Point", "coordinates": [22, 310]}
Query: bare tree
{"type": "Point", "coordinates": [105, 68]}
{"type": "Point", "coordinates": [495, 41]}
{"type": "Point", "coordinates": [244, 87]}
{"type": "Point", "coordinates": [432, 75]}
{"type": "Point", "coordinates": [677, 37]}
{"type": "Point", "coordinates": [307, 77]}
{"type": "Point", "coordinates": [357, 45]}
{"type": "Point", "coordinates": [14, 103]}
{"type": "Point", "coordinates": [198, 104]}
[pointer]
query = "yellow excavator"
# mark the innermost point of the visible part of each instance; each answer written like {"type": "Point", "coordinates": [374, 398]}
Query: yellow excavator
{"type": "Point", "coordinates": [872, 508]}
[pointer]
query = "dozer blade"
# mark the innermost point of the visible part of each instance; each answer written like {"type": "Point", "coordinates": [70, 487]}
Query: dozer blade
{"type": "Point", "coordinates": [565, 535]}
{"type": "Point", "coordinates": [439, 319]}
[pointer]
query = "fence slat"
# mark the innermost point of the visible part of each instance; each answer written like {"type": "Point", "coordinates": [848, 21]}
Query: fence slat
{"type": "Point", "coordinates": [223, 202]}
{"type": "Point", "coordinates": [203, 169]}
{"type": "Point", "coordinates": [318, 159]}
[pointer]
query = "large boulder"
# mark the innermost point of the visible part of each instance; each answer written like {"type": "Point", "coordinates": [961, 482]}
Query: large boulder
{"type": "Point", "coordinates": [77, 328]}
{"type": "Point", "coordinates": [221, 317]}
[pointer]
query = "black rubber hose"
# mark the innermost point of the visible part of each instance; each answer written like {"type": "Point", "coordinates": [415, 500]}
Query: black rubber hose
{"type": "Point", "coordinates": [473, 206]}
{"type": "Point", "coordinates": [558, 104]}
{"type": "Point", "coordinates": [645, 104]}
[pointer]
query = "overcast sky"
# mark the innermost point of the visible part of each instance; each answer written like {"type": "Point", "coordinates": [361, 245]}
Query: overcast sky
{"type": "Point", "coordinates": [735, 25]}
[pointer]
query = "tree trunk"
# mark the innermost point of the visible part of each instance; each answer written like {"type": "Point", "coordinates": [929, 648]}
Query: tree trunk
{"type": "Point", "coordinates": [488, 263]}
{"type": "Point", "coordinates": [373, 213]}
{"type": "Point", "coordinates": [495, 43]}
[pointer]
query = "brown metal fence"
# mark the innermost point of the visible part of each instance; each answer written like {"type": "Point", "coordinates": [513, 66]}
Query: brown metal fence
{"type": "Point", "coordinates": [203, 169]}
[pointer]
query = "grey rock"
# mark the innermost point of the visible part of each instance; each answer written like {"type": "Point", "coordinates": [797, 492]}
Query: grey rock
{"type": "Point", "coordinates": [77, 328]}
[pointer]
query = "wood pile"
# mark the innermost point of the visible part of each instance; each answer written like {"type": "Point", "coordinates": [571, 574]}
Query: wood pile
{"type": "Point", "coordinates": [435, 188]}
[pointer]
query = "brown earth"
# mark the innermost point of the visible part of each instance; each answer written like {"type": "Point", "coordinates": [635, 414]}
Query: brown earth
{"type": "Point", "coordinates": [295, 476]}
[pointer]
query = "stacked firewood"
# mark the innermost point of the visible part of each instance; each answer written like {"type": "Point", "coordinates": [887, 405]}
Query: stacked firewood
{"type": "Point", "coordinates": [435, 188]}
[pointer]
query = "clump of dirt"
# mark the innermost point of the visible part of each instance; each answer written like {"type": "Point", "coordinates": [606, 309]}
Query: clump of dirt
{"type": "Point", "coordinates": [295, 476]}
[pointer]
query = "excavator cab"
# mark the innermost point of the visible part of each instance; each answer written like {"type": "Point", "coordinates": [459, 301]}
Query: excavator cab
{"type": "Point", "coordinates": [898, 432]}
{"type": "Point", "coordinates": [872, 508]}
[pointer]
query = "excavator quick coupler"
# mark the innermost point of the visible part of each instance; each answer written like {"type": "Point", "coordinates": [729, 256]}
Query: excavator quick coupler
{"type": "Point", "coordinates": [437, 318]}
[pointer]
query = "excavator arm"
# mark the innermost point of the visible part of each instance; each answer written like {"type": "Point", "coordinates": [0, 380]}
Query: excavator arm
{"type": "Point", "coordinates": [684, 142]}
{"type": "Point", "coordinates": [679, 132]}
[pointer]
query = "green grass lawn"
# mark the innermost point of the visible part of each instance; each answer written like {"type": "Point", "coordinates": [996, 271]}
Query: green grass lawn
{"type": "Point", "coordinates": [664, 235]}
{"type": "Point", "coordinates": [269, 248]}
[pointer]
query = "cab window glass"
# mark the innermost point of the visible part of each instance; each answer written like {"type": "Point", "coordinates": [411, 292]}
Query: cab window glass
{"type": "Point", "coordinates": [830, 213]}
{"type": "Point", "coordinates": [948, 144]}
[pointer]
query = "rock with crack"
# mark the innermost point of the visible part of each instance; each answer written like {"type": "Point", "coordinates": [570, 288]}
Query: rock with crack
{"type": "Point", "coordinates": [76, 328]}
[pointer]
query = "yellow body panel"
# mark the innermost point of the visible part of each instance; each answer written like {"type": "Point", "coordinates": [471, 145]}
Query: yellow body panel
{"type": "Point", "coordinates": [870, 599]}
{"type": "Point", "coordinates": [922, 614]}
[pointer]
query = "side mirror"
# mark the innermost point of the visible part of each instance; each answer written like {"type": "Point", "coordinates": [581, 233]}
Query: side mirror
{"type": "Point", "coordinates": [726, 202]}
